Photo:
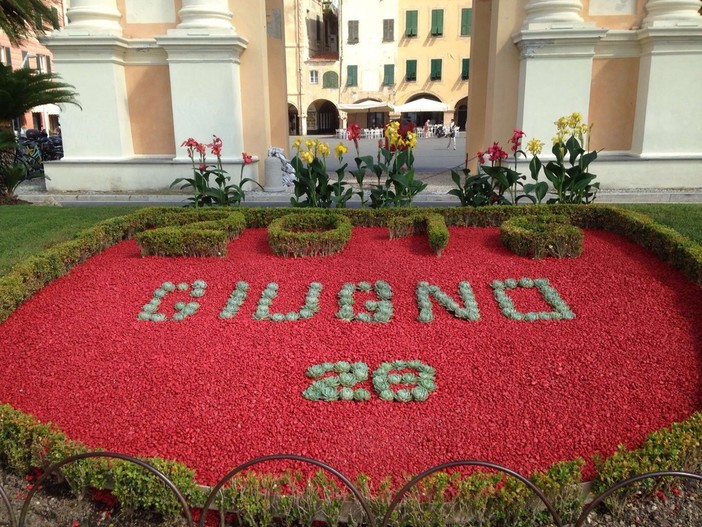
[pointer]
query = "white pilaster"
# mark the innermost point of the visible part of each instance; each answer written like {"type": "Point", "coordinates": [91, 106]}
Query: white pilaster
{"type": "Point", "coordinates": [557, 48]}
{"type": "Point", "coordinates": [94, 17]}
{"type": "Point", "coordinates": [543, 14]}
{"type": "Point", "coordinates": [672, 13]}
{"type": "Point", "coordinates": [668, 118]}
{"type": "Point", "coordinates": [89, 54]}
{"type": "Point", "coordinates": [203, 59]}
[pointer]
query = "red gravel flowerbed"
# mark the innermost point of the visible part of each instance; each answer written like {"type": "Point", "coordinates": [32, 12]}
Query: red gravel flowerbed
{"type": "Point", "coordinates": [214, 393]}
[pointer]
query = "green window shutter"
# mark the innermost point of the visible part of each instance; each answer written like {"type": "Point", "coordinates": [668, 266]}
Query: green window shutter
{"type": "Point", "coordinates": [435, 69]}
{"type": "Point", "coordinates": [466, 20]}
{"type": "Point", "coordinates": [388, 30]}
{"type": "Point", "coordinates": [411, 70]}
{"type": "Point", "coordinates": [465, 69]}
{"type": "Point", "coordinates": [411, 24]}
{"type": "Point", "coordinates": [353, 31]}
{"type": "Point", "coordinates": [330, 80]}
{"type": "Point", "coordinates": [389, 74]}
{"type": "Point", "coordinates": [351, 75]}
{"type": "Point", "coordinates": [437, 22]}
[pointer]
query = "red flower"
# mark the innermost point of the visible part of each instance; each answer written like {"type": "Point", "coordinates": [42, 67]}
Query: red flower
{"type": "Point", "coordinates": [517, 139]}
{"type": "Point", "coordinates": [496, 153]}
{"type": "Point", "coordinates": [481, 158]}
{"type": "Point", "coordinates": [247, 158]}
{"type": "Point", "coordinates": [354, 132]}
{"type": "Point", "coordinates": [216, 146]}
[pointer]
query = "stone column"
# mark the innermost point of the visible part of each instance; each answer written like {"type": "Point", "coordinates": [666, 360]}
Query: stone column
{"type": "Point", "coordinates": [203, 59]}
{"type": "Point", "coordinates": [209, 14]}
{"type": "Point", "coordinates": [542, 14]}
{"type": "Point", "coordinates": [95, 16]}
{"type": "Point", "coordinates": [672, 13]}
{"type": "Point", "coordinates": [668, 120]}
{"type": "Point", "coordinates": [557, 48]}
{"type": "Point", "coordinates": [89, 54]}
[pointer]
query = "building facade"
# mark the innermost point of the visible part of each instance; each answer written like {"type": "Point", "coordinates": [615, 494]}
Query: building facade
{"type": "Point", "coordinates": [392, 51]}
{"type": "Point", "coordinates": [632, 68]}
{"type": "Point", "coordinates": [151, 74]}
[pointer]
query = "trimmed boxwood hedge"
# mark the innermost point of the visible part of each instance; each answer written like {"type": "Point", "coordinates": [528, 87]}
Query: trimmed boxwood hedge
{"type": "Point", "coordinates": [542, 235]}
{"type": "Point", "coordinates": [431, 223]}
{"type": "Point", "coordinates": [309, 234]}
{"type": "Point", "coordinates": [201, 238]}
{"type": "Point", "coordinates": [26, 443]}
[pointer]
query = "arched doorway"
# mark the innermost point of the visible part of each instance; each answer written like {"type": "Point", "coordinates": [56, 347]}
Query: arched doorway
{"type": "Point", "coordinates": [461, 113]}
{"type": "Point", "coordinates": [322, 118]}
{"type": "Point", "coordinates": [293, 120]}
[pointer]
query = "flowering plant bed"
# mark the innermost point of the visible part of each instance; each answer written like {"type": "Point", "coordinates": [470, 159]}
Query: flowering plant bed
{"type": "Point", "coordinates": [212, 390]}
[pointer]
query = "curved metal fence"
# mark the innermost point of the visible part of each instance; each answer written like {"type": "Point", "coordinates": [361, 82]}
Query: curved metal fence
{"type": "Point", "coordinates": [10, 518]}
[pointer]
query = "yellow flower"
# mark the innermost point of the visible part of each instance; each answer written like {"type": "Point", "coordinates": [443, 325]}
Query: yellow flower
{"type": "Point", "coordinates": [574, 120]}
{"type": "Point", "coordinates": [307, 156]}
{"type": "Point", "coordinates": [534, 146]}
{"type": "Point", "coordinates": [323, 149]}
{"type": "Point", "coordinates": [411, 139]}
{"type": "Point", "coordinates": [311, 144]}
{"type": "Point", "coordinates": [340, 150]}
{"type": "Point", "coordinates": [297, 143]}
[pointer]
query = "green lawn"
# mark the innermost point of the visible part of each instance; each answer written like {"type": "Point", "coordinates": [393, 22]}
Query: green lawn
{"type": "Point", "coordinates": [26, 229]}
{"type": "Point", "coordinates": [684, 218]}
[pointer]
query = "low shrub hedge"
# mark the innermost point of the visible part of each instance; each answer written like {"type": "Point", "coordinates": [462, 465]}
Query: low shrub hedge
{"type": "Point", "coordinates": [431, 223]}
{"type": "Point", "coordinates": [26, 443]}
{"type": "Point", "coordinates": [310, 234]}
{"type": "Point", "coordinates": [200, 238]}
{"type": "Point", "coordinates": [542, 235]}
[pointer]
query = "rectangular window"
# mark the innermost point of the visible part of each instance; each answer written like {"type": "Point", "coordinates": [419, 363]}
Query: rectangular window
{"type": "Point", "coordinates": [25, 59]}
{"type": "Point", "coordinates": [388, 30]}
{"type": "Point", "coordinates": [388, 74]}
{"type": "Point", "coordinates": [465, 69]}
{"type": "Point", "coordinates": [314, 77]}
{"type": "Point", "coordinates": [437, 22]}
{"type": "Point", "coordinates": [435, 74]}
{"type": "Point", "coordinates": [411, 70]}
{"type": "Point", "coordinates": [353, 31]}
{"type": "Point", "coordinates": [466, 20]}
{"type": "Point", "coordinates": [351, 75]}
{"type": "Point", "coordinates": [318, 29]}
{"type": "Point", "coordinates": [6, 56]}
{"type": "Point", "coordinates": [411, 24]}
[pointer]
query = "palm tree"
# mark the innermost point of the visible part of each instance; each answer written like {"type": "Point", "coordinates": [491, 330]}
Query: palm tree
{"type": "Point", "coordinates": [20, 91]}
{"type": "Point", "coordinates": [23, 19]}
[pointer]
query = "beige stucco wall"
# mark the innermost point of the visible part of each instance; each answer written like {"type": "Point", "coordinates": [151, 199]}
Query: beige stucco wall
{"type": "Point", "coordinates": [150, 111]}
{"type": "Point", "coordinates": [132, 30]}
{"type": "Point", "coordinates": [613, 102]}
{"type": "Point", "coordinates": [623, 21]}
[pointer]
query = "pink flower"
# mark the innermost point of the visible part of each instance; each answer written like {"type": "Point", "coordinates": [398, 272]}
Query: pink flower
{"type": "Point", "coordinates": [247, 158]}
{"type": "Point", "coordinates": [481, 158]}
{"type": "Point", "coordinates": [354, 131]}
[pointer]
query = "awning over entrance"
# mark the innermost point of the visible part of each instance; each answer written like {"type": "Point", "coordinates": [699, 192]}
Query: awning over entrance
{"type": "Point", "coordinates": [423, 105]}
{"type": "Point", "coordinates": [50, 109]}
{"type": "Point", "coordinates": [367, 106]}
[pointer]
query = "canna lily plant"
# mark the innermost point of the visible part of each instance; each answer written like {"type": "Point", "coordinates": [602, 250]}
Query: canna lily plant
{"type": "Point", "coordinates": [223, 192]}
{"type": "Point", "coordinates": [312, 185]}
{"type": "Point", "coordinates": [394, 162]}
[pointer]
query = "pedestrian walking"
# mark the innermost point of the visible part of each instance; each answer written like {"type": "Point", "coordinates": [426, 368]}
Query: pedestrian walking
{"type": "Point", "coordinates": [452, 135]}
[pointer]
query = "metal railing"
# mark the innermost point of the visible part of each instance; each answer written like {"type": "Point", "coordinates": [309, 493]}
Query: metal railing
{"type": "Point", "coordinates": [54, 470]}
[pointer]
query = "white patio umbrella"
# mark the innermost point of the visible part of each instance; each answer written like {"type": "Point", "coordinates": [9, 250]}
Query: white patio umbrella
{"type": "Point", "coordinates": [367, 106]}
{"type": "Point", "coordinates": [423, 105]}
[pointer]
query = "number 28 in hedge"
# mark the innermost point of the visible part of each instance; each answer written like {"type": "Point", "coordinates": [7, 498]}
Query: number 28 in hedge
{"type": "Point", "coordinates": [340, 381]}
